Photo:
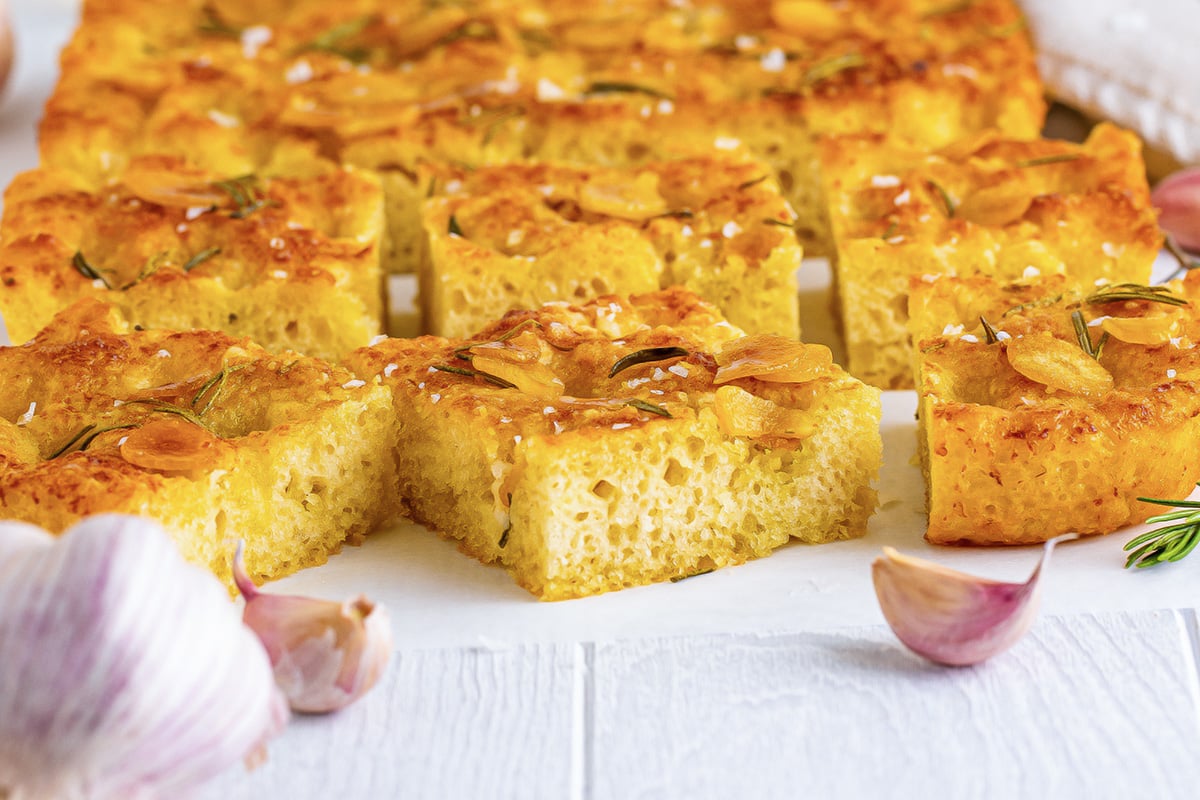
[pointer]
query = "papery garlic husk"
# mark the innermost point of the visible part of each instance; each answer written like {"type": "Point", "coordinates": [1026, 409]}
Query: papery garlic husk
{"type": "Point", "coordinates": [1177, 198]}
{"type": "Point", "coordinates": [124, 671]}
{"type": "Point", "coordinates": [951, 617]}
{"type": "Point", "coordinates": [326, 654]}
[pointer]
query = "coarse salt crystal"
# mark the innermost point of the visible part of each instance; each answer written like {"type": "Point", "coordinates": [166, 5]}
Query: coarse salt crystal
{"type": "Point", "coordinates": [27, 417]}
{"type": "Point", "coordinates": [903, 197]}
{"type": "Point", "coordinates": [196, 211]}
{"type": "Point", "coordinates": [223, 119]}
{"type": "Point", "coordinates": [299, 72]}
{"type": "Point", "coordinates": [1031, 272]}
{"type": "Point", "coordinates": [163, 354]}
{"type": "Point", "coordinates": [383, 337]}
{"type": "Point", "coordinates": [353, 384]}
{"type": "Point", "coordinates": [679, 369]}
{"type": "Point", "coordinates": [774, 60]}
{"type": "Point", "coordinates": [278, 273]}
{"type": "Point", "coordinates": [433, 398]}
{"type": "Point", "coordinates": [390, 370]}
{"type": "Point", "coordinates": [548, 90]}
{"type": "Point", "coordinates": [885, 181]}
{"type": "Point", "coordinates": [620, 426]}
{"type": "Point", "coordinates": [253, 38]}
{"type": "Point", "coordinates": [1171, 373]}
{"type": "Point", "coordinates": [730, 229]}
{"type": "Point", "coordinates": [952, 330]}
{"type": "Point", "coordinates": [969, 337]}
{"type": "Point", "coordinates": [727, 143]}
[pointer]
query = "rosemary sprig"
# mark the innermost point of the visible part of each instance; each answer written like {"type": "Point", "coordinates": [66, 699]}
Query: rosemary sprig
{"type": "Point", "coordinates": [947, 200]}
{"type": "Point", "coordinates": [649, 408]}
{"type": "Point", "coordinates": [1134, 291]}
{"type": "Point", "coordinates": [1186, 262]}
{"type": "Point", "coordinates": [243, 190]}
{"type": "Point", "coordinates": [650, 354]}
{"type": "Point", "coordinates": [1084, 337]}
{"type": "Point", "coordinates": [85, 437]}
{"type": "Point", "coordinates": [989, 333]}
{"type": "Point", "coordinates": [85, 269]}
{"type": "Point", "coordinates": [824, 70]}
{"type": "Point", "coordinates": [1044, 160]}
{"type": "Point", "coordinates": [623, 87]}
{"type": "Point", "coordinates": [1039, 303]}
{"type": "Point", "coordinates": [1171, 542]}
{"type": "Point", "coordinates": [332, 40]}
{"type": "Point", "coordinates": [200, 258]}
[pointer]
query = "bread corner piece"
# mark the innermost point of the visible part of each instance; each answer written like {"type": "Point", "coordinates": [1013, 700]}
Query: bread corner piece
{"type": "Point", "coordinates": [293, 263]}
{"type": "Point", "coordinates": [1025, 435]}
{"type": "Point", "coordinates": [212, 436]}
{"type": "Point", "coordinates": [991, 206]}
{"type": "Point", "coordinates": [626, 441]}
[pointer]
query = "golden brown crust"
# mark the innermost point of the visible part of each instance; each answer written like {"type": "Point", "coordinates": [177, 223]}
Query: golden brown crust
{"type": "Point", "coordinates": [1016, 454]}
{"type": "Point", "coordinates": [269, 466]}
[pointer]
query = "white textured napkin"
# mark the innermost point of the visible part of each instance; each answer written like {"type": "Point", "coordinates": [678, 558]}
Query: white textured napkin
{"type": "Point", "coordinates": [1136, 62]}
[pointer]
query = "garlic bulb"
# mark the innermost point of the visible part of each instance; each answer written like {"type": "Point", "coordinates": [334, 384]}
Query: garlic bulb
{"type": "Point", "coordinates": [126, 672]}
{"type": "Point", "coordinates": [326, 654]}
{"type": "Point", "coordinates": [951, 617]}
{"type": "Point", "coordinates": [1177, 198]}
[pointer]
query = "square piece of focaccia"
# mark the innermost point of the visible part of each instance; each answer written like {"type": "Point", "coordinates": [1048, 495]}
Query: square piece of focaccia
{"type": "Point", "coordinates": [987, 205]}
{"type": "Point", "coordinates": [211, 435]}
{"type": "Point", "coordinates": [516, 236]}
{"type": "Point", "coordinates": [625, 441]}
{"type": "Point", "coordinates": [293, 263]}
{"type": "Point", "coordinates": [1060, 411]}
{"type": "Point", "coordinates": [394, 88]}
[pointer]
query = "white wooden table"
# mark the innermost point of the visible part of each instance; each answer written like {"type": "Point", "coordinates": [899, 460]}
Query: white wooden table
{"type": "Point", "coordinates": [776, 679]}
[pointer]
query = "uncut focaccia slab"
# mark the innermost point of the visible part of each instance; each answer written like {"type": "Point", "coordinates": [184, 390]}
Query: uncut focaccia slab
{"type": "Point", "coordinates": [394, 86]}
{"type": "Point", "coordinates": [292, 263]}
{"type": "Point", "coordinates": [212, 436]}
{"type": "Point", "coordinates": [1028, 436]}
{"type": "Point", "coordinates": [625, 441]}
{"type": "Point", "coordinates": [986, 205]}
{"type": "Point", "coordinates": [516, 236]}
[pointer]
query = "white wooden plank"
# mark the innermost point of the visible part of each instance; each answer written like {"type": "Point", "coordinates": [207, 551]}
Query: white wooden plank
{"type": "Point", "coordinates": [1089, 706]}
{"type": "Point", "coordinates": [466, 723]}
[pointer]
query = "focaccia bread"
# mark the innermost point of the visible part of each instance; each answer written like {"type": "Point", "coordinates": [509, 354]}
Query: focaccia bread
{"type": "Point", "coordinates": [211, 435]}
{"type": "Point", "coordinates": [987, 205]}
{"type": "Point", "coordinates": [625, 441]}
{"type": "Point", "coordinates": [1025, 435]}
{"type": "Point", "coordinates": [392, 88]}
{"type": "Point", "coordinates": [516, 236]}
{"type": "Point", "coordinates": [292, 263]}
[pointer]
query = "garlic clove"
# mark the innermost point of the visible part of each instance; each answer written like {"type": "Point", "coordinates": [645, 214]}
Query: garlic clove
{"type": "Point", "coordinates": [127, 672]}
{"type": "Point", "coordinates": [1177, 198]}
{"type": "Point", "coordinates": [325, 654]}
{"type": "Point", "coordinates": [949, 616]}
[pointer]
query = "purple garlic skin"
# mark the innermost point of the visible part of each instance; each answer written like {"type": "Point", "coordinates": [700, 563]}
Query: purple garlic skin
{"type": "Point", "coordinates": [950, 617]}
{"type": "Point", "coordinates": [1177, 197]}
{"type": "Point", "coordinates": [325, 654]}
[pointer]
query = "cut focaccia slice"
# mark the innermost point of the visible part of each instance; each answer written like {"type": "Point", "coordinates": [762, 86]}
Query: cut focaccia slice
{"type": "Point", "coordinates": [292, 263]}
{"type": "Point", "coordinates": [987, 205]}
{"type": "Point", "coordinates": [1045, 409]}
{"type": "Point", "coordinates": [212, 436]}
{"type": "Point", "coordinates": [625, 441]}
{"type": "Point", "coordinates": [516, 236]}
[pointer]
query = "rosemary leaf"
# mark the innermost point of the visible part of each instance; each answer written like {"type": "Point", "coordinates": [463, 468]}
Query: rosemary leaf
{"type": "Point", "coordinates": [159, 407]}
{"type": "Point", "coordinates": [1186, 262]}
{"type": "Point", "coordinates": [243, 190]}
{"type": "Point", "coordinates": [216, 384]}
{"type": "Point", "coordinates": [1134, 291]}
{"type": "Point", "coordinates": [646, 356]}
{"type": "Point", "coordinates": [751, 183]}
{"type": "Point", "coordinates": [1044, 160]}
{"type": "Point", "coordinates": [891, 230]}
{"type": "Point", "coordinates": [649, 408]}
{"type": "Point", "coordinates": [71, 442]}
{"type": "Point", "coordinates": [989, 333]}
{"type": "Point", "coordinates": [679, 578]}
{"type": "Point", "coordinates": [331, 41]}
{"type": "Point", "coordinates": [946, 198]}
{"type": "Point", "coordinates": [213, 25]}
{"type": "Point", "coordinates": [85, 269]}
{"type": "Point", "coordinates": [781, 223]}
{"type": "Point", "coordinates": [200, 258]}
{"type": "Point", "coordinates": [507, 529]}
{"type": "Point", "coordinates": [453, 228]}
{"type": "Point", "coordinates": [622, 87]}
{"type": "Point", "coordinates": [1039, 303]}
{"type": "Point", "coordinates": [824, 70]}
{"type": "Point", "coordinates": [473, 373]}
{"type": "Point", "coordinates": [1082, 335]}
{"type": "Point", "coordinates": [87, 441]}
